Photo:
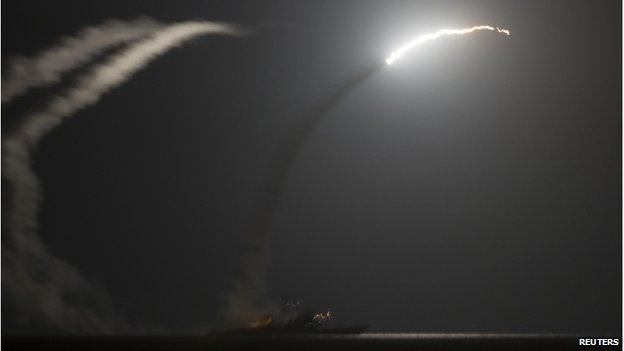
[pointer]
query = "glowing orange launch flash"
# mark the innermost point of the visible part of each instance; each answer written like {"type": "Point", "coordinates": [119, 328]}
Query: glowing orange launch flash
{"type": "Point", "coordinates": [442, 32]}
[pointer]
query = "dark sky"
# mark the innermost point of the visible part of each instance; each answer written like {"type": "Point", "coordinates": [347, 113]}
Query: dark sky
{"type": "Point", "coordinates": [473, 186]}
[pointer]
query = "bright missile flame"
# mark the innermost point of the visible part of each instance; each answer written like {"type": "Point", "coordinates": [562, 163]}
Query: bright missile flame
{"type": "Point", "coordinates": [442, 32]}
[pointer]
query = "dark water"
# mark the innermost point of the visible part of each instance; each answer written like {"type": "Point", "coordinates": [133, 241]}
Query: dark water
{"type": "Point", "coordinates": [308, 342]}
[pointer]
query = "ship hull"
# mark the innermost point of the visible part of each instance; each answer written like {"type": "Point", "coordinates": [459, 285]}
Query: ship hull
{"type": "Point", "coordinates": [351, 330]}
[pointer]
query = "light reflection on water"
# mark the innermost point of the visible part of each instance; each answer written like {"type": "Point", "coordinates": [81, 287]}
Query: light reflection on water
{"type": "Point", "coordinates": [459, 335]}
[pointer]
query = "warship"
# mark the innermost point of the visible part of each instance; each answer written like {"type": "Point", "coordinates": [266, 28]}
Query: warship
{"type": "Point", "coordinates": [304, 322]}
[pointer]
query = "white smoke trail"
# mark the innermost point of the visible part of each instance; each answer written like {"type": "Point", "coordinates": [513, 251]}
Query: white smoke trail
{"type": "Point", "coordinates": [430, 36]}
{"type": "Point", "coordinates": [44, 286]}
{"type": "Point", "coordinates": [48, 67]}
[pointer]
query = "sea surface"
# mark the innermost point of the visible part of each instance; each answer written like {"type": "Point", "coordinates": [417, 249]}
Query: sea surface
{"type": "Point", "coordinates": [369, 341]}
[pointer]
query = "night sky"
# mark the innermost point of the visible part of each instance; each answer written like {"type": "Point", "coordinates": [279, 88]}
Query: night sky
{"type": "Point", "coordinates": [475, 185]}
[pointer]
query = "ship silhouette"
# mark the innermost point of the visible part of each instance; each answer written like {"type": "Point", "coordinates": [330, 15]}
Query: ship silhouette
{"type": "Point", "coordinates": [303, 322]}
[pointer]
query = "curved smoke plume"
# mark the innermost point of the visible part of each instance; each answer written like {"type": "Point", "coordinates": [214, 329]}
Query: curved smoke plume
{"type": "Point", "coordinates": [44, 287]}
{"type": "Point", "coordinates": [249, 298]}
{"type": "Point", "coordinates": [48, 67]}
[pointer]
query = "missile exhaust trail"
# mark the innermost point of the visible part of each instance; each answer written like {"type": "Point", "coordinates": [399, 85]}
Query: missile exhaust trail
{"type": "Point", "coordinates": [249, 298]}
{"type": "Point", "coordinates": [45, 287]}
{"type": "Point", "coordinates": [442, 32]}
{"type": "Point", "coordinates": [49, 66]}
